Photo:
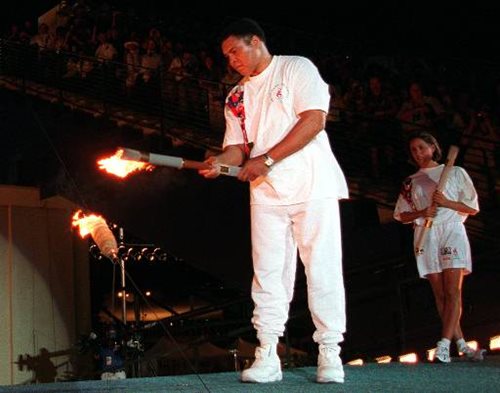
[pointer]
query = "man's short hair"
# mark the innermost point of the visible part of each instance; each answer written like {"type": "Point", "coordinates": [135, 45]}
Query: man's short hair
{"type": "Point", "coordinates": [243, 28]}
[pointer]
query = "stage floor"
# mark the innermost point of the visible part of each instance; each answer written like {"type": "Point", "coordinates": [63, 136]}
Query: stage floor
{"type": "Point", "coordinates": [456, 377]}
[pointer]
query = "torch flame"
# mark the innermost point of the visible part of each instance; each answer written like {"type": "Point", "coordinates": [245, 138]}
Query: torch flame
{"type": "Point", "coordinates": [122, 168]}
{"type": "Point", "coordinates": [85, 223]}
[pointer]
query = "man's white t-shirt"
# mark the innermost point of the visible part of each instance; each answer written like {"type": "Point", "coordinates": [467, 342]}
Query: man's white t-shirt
{"type": "Point", "coordinates": [273, 100]}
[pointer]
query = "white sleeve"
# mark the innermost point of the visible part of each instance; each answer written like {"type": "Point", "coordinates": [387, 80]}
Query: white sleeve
{"type": "Point", "coordinates": [467, 193]}
{"type": "Point", "coordinates": [309, 89]}
{"type": "Point", "coordinates": [234, 133]}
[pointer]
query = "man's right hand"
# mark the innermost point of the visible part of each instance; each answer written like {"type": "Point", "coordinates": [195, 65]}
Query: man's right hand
{"type": "Point", "coordinates": [214, 169]}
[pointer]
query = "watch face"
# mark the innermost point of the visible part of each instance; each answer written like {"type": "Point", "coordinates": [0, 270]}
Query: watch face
{"type": "Point", "coordinates": [269, 161]}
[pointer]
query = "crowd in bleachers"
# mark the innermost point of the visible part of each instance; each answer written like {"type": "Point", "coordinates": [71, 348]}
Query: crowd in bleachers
{"type": "Point", "coordinates": [382, 98]}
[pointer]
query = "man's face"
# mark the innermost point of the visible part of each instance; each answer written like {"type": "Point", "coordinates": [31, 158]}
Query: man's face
{"type": "Point", "coordinates": [241, 54]}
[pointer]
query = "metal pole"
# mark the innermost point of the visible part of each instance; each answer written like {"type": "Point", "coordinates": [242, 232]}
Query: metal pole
{"type": "Point", "coordinates": [122, 271]}
{"type": "Point", "coordinates": [124, 293]}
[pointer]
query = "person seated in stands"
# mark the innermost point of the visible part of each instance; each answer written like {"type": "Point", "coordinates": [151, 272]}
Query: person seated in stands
{"type": "Point", "coordinates": [105, 54]}
{"type": "Point", "coordinates": [105, 50]}
{"type": "Point", "coordinates": [167, 53]}
{"type": "Point", "coordinates": [61, 39]}
{"type": "Point", "coordinates": [79, 66]}
{"type": "Point", "coordinates": [381, 127]}
{"type": "Point", "coordinates": [43, 39]}
{"type": "Point", "coordinates": [230, 77]}
{"type": "Point", "coordinates": [155, 35]}
{"type": "Point", "coordinates": [182, 65]}
{"type": "Point", "coordinates": [354, 101]}
{"type": "Point", "coordinates": [27, 31]}
{"type": "Point", "coordinates": [420, 111]}
{"type": "Point", "coordinates": [150, 62]}
{"type": "Point", "coordinates": [480, 140]}
{"type": "Point", "coordinates": [209, 69]}
{"type": "Point", "coordinates": [132, 61]}
{"type": "Point", "coordinates": [14, 33]}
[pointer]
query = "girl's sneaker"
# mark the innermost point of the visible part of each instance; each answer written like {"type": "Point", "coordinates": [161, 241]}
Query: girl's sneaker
{"type": "Point", "coordinates": [442, 352]}
{"type": "Point", "coordinates": [475, 355]}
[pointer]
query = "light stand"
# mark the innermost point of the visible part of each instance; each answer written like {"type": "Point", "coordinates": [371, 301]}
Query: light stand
{"type": "Point", "coordinates": [119, 252]}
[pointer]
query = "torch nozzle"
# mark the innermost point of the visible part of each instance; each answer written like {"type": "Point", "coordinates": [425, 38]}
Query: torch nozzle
{"type": "Point", "coordinates": [153, 159]}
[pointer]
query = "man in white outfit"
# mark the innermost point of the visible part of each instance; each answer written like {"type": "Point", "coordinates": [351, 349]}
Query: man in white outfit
{"type": "Point", "coordinates": [275, 119]}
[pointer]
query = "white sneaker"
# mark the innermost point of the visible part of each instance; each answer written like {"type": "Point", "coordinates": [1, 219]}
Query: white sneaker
{"type": "Point", "coordinates": [330, 367]}
{"type": "Point", "coordinates": [265, 368]}
{"type": "Point", "coordinates": [442, 352]}
{"type": "Point", "coordinates": [475, 355]}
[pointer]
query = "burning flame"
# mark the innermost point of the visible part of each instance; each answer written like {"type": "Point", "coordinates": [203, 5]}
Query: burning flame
{"type": "Point", "coordinates": [85, 223]}
{"type": "Point", "coordinates": [122, 168]}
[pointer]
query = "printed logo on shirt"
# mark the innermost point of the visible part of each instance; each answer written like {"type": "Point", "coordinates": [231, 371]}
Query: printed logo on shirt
{"type": "Point", "coordinates": [279, 92]}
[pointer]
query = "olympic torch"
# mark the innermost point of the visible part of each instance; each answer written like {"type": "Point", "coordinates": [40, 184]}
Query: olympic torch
{"type": "Point", "coordinates": [173, 161]}
{"type": "Point", "coordinates": [450, 160]}
{"type": "Point", "coordinates": [126, 161]}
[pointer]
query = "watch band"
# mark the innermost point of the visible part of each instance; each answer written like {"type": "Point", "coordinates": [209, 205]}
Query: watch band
{"type": "Point", "coordinates": [268, 161]}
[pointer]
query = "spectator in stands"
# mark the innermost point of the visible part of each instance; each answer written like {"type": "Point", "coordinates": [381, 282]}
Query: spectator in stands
{"type": "Point", "coordinates": [354, 101]}
{"type": "Point", "coordinates": [150, 62]}
{"type": "Point", "coordinates": [419, 111]}
{"type": "Point", "coordinates": [14, 33]}
{"type": "Point", "coordinates": [230, 77]}
{"type": "Point", "coordinates": [155, 35]}
{"type": "Point", "coordinates": [480, 140]}
{"type": "Point", "coordinates": [43, 39]}
{"type": "Point", "coordinates": [132, 61]}
{"type": "Point", "coordinates": [79, 35]}
{"type": "Point", "coordinates": [79, 66]}
{"type": "Point", "coordinates": [446, 255]}
{"type": "Point", "coordinates": [105, 51]}
{"type": "Point", "coordinates": [209, 70]}
{"type": "Point", "coordinates": [27, 31]}
{"type": "Point", "coordinates": [167, 53]}
{"type": "Point", "coordinates": [60, 39]}
{"type": "Point", "coordinates": [275, 119]}
{"type": "Point", "coordinates": [383, 132]}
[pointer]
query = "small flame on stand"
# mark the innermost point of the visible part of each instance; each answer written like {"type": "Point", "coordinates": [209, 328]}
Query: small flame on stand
{"type": "Point", "coordinates": [85, 223]}
{"type": "Point", "coordinates": [122, 168]}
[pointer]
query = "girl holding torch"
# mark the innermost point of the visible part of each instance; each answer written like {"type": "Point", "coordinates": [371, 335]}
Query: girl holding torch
{"type": "Point", "coordinates": [444, 256]}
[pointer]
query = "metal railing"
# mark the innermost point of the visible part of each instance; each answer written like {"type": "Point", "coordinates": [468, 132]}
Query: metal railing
{"type": "Point", "coordinates": [123, 92]}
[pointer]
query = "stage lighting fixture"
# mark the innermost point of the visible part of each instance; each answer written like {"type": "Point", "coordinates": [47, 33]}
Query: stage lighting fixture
{"type": "Point", "coordinates": [408, 358]}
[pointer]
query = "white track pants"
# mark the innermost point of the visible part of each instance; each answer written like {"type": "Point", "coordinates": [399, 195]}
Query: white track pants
{"type": "Point", "coordinates": [277, 232]}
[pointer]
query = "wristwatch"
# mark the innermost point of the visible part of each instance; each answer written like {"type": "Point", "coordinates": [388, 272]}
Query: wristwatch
{"type": "Point", "coordinates": [268, 161]}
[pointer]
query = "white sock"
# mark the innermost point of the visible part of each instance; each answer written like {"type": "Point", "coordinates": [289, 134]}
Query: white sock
{"type": "Point", "coordinates": [461, 344]}
{"type": "Point", "coordinates": [445, 342]}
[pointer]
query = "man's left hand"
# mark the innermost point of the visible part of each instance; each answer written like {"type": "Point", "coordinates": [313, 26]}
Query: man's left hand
{"type": "Point", "coordinates": [253, 168]}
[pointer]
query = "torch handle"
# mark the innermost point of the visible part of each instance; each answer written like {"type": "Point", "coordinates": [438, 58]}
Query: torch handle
{"type": "Point", "coordinates": [450, 160]}
{"type": "Point", "coordinates": [228, 170]}
{"type": "Point", "coordinates": [175, 162]}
